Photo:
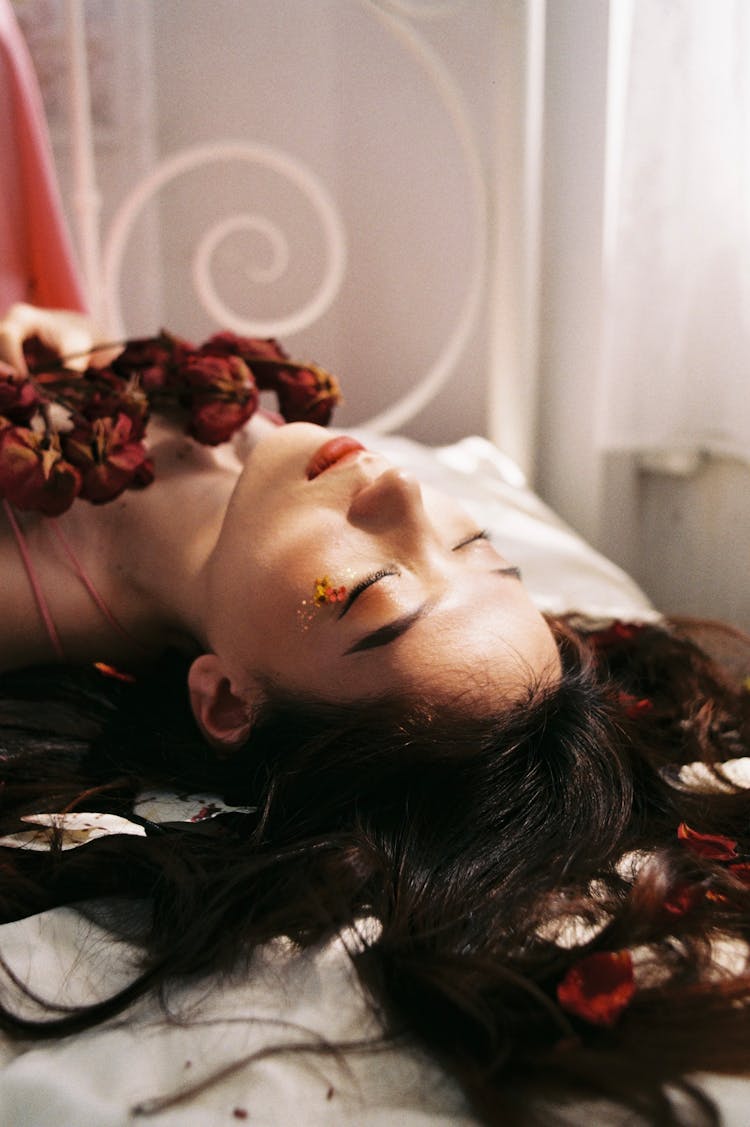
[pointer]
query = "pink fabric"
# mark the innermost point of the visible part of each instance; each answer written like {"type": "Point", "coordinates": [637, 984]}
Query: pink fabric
{"type": "Point", "coordinates": [36, 258]}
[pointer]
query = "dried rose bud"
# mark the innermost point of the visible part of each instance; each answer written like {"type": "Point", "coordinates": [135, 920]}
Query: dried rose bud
{"type": "Point", "coordinates": [19, 397]}
{"type": "Point", "coordinates": [214, 420]}
{"type": "Point", "coordinates": [221, 394]}
{"type": "Point", "coordinates": [107, 455]}
{"type": "Point", "coordinates": [216, 375]}
{"type": "Point", "coordinates": [248, 349]}
{"type": "Point", "coordinates": [307, 394]}
{"type": "Point", "coordinates": [108, 395]}
{"type": "Point", "coordinates": [152, 359]}
{"type": "Point", "coordinates": [33, 473]}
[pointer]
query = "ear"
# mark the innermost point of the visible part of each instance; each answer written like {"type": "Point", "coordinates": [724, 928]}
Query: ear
{"type": "Point", "coordinates": [224, 718]}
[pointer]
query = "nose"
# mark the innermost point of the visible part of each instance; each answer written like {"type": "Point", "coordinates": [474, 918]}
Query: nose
{"type": "Point", "coordinates": [393, 499]}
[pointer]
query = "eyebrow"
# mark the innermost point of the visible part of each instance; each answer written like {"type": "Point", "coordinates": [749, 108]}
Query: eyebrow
{"type": "Point", "coordinates": [388, 633]}
{"type": "Point", "coordinates": [384, 635]}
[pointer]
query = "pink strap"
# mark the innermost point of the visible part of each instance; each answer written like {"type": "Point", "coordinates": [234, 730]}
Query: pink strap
{"type": "Point", "coordinates": [36, 586]}
{"type": "Point", "coordinates": [36, 589]}
{"type": "Point", "coordinates": [87, 582]}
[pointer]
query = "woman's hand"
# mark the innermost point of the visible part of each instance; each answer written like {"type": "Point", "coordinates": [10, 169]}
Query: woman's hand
{"type": "Point", "coordinates": [69, 334]}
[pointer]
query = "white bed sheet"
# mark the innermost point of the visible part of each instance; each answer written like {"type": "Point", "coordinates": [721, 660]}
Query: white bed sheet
{"type": "Point", "coordinates": [98, 1077]}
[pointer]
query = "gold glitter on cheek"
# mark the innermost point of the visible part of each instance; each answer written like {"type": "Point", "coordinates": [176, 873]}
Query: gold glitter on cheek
{"type": "Point", "coordinates": [305, 614]}
{"type": "Point", "coordinates": [324, 594]}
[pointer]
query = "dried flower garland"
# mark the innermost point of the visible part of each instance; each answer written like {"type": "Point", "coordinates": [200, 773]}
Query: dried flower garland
{"type": "Point", "coordinates": [66, 434]}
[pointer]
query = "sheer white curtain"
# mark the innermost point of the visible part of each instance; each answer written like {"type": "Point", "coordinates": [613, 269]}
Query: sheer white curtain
{"type": "Point", "coordinates": [677, 228]}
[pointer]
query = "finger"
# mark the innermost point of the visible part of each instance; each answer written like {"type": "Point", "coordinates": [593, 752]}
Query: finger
{"type": "Point", "coordinates": [11, 348]}
{"type": "Point", "coordinates": [68, 334]}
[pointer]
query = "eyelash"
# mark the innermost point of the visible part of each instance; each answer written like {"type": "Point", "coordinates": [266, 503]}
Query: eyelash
{"type": "Point", "coordinates": [368, 581]}
{"type": "Point", "coordinates": [482, 534]}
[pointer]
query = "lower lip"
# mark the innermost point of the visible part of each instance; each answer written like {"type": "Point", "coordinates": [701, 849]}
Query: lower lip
{"type": "Point", "coordinates": [331, 453]}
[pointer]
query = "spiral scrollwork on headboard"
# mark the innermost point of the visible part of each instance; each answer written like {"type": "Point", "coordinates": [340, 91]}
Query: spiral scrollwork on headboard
{"type": "Point", "coordinates": [186, 161]}
{"type": "Point", "coordinates": [402, 349]}
{"type": "Point", "coordinates": [394, 15]}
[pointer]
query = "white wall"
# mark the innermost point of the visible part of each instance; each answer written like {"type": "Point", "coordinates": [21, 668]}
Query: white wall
{"type": "Point", "coordinates": [685, 539]}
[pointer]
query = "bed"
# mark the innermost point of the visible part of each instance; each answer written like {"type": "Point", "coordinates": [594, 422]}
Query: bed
{"type": "Point", "coordinates": [426, 365]}
{"type": "Point", "coordinates": [101, 1077]}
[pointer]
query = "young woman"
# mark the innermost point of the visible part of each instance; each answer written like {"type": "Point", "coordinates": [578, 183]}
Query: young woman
{"type": "Point", "coordinates": [355, 664]}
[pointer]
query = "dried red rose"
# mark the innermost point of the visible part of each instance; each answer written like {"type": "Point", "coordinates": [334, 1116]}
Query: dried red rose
{"type": "Point", "coordinates": [215, 375]}
{"type": "Point", "coordinates": [307, 394]}
{"type": "Point", "coordinates": [153, 359]}
{"type": "Point", "coordinates": [107, 410]}
{"type": "Point", "coordinates": [221, 394]}
{"type": "Point", "coordinates": [107, 454]}
{"type": "Point", "coordinates": [215, 421]}
{"type": "Point", "coordinates": [34, 474]}
{"type": "Point", "coordinates": [715, 847]}
{"type": "Point", "coordinates": [248, 349]}
{"type": "Point", "coordinates": [106, 395]}
{"type": "Point", "coordinates": [599, 987]}
{"type": "Point", "coordinates": [19, 398]}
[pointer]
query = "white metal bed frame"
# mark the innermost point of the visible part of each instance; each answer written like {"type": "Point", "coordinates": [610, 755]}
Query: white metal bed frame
{"type": "Point", "coordinates": [503, 227]}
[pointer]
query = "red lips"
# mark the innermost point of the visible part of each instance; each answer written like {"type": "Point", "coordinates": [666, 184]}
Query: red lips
{"type": "Point", "coordinates": [331, 452]}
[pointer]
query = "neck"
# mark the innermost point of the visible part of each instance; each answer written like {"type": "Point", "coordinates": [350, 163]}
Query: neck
{"type": "Point", "coordinates": [145, 554]}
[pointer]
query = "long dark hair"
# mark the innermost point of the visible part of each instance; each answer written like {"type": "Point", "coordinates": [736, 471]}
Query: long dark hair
{"type": "Point", "coordinates": [464, 837]}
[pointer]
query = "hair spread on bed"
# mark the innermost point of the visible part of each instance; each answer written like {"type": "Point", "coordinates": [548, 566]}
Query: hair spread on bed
{"type": "Point", "coordinates": [477, 844]}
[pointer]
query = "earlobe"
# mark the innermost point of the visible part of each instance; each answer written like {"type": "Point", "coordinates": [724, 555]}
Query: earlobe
{"type": "Point", "coordinates": [224, 718]}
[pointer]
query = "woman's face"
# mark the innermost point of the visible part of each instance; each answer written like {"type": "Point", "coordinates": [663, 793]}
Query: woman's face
{"type": "Point", "coordinates": [429, 606]}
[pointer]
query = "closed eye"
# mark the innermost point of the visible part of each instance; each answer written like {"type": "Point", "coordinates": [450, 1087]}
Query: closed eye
{"type": "Point", "coordinates": [363, 584]}
{"type": "Point", "coordinates": [481, 534]}
{"type": "Point", "coordinates": [369, 580]}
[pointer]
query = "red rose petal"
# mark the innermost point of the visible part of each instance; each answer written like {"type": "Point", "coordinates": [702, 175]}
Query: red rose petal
{"type": "Point", "coordinates": [683, 899]}
{"type": "Point", "coordinates": [599, 987]}
{"type": "Point", "coordinates": [110, 671]}
{"type": "Point", "coordinates": [615, 634]}
{"type": "Point", "coordinates": [634, 707]}
{"type": "Point", "coordinates": [715, 847]}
